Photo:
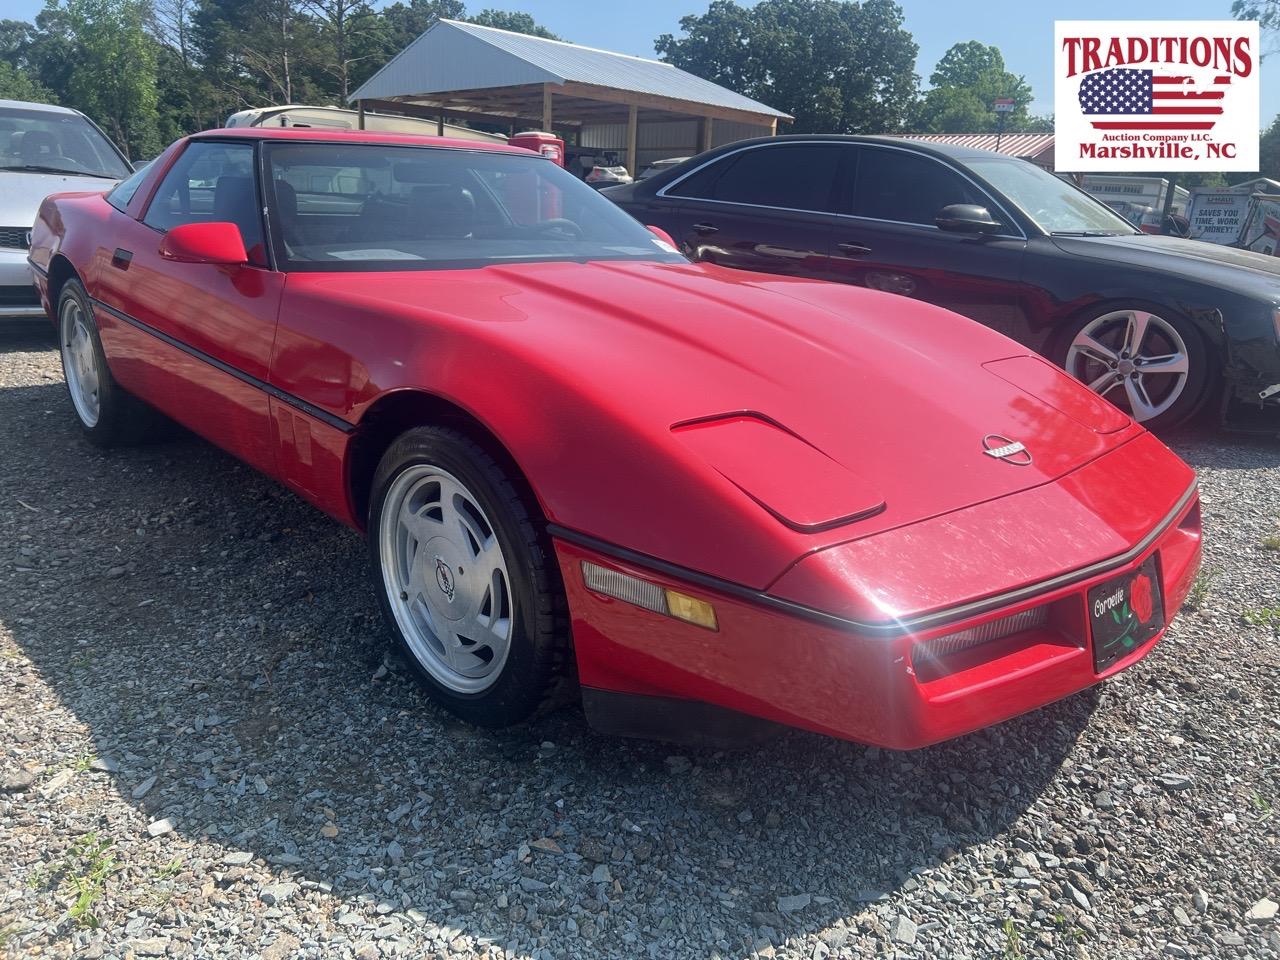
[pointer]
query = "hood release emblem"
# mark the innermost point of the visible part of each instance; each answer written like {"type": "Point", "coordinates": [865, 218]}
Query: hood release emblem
{"type": "Point", "coordinates": [1002, 448]}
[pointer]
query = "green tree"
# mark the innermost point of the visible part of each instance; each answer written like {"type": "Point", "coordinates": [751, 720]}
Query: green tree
{"type": "Point", "coordinates": [17, 84]}
{"type": "Point", "coordinates": [113, 76]}
{"type": "Point", "coordinates": [1267, 13]}
{"type": "Point", "coordinates": [835, 65]}
{"type": "Point", "coordinates": [403, 22]}
{"type": "Point", "coordinates": [348, 36]}
{"type": "Point", "coordinates": [967, 81]}
{"type": "Point", "coordinates": [512, 20]}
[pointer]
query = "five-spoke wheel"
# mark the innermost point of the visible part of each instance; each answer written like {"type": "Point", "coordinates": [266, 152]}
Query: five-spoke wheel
{"type": "Point", "coordinates": [467, 578]}
{"type": "Point", "coordinates": [1149, 364]}
{"type": "Point", "coordinates": [79, 360]}
{"type": "Point", "coordinates": [446, 578]}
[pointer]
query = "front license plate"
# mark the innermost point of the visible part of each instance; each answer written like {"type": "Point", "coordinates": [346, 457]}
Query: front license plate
{"type": "Point", "coordinates": [1124, 613]}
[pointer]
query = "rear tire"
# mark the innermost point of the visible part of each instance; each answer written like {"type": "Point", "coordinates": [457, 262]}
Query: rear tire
{"type": "Point", "coordinates": [108, 416]}
{"type": "Point", "coordinates": [467, 580]}
{"type": "Point", "coordinates": [1150, 361]}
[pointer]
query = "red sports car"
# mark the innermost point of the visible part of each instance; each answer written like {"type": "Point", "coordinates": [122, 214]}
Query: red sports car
{"type": "Point", "coordinates": [584, 463]}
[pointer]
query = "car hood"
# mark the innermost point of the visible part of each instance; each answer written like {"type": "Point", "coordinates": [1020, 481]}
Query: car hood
{"type": "Point", "coordinates": [841, 411]}
{"type": "Point", "coordinates": [1209, 262]}
{"type": "Point", "coordinates": [21, 192]}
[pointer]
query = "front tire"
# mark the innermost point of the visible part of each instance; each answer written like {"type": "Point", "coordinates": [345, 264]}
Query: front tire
{"type": "Point", "coordinates": [1149, 361]}
{"type": "Point", "coordinates": [467, 581]}
{"type": "Point", "coordinates": [106, 413]}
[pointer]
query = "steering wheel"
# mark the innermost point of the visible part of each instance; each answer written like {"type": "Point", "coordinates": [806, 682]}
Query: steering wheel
{"type": "Point", "coordinates": [558, 223]}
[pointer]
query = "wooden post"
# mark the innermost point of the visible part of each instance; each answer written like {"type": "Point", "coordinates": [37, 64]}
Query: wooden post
{"type": "Point", "coordinates": [773, 127]}
{"type": "Point", "coordinates": [632, 119]}
{"type": "Point", "coordinates": [704, 134]}
{"type": "Point", "coordinates": [360, 114]}
{"type": "Point", "coordinates": [440, 125]}
{"type": "Point", "coordinates": [546, 107]}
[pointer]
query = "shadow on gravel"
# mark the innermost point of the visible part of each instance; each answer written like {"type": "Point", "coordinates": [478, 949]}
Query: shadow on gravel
{"type": "Point", "coordinates": [214, 632]}
{"type": "Point", "coordinates": [24, 336]}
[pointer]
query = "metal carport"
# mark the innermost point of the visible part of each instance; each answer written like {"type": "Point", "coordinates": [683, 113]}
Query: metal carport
{"type": "Point", "coordinates": [462, 71]}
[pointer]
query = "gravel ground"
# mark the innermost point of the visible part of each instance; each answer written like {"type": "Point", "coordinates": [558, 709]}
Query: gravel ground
{"type": "Point", "coordinates": [208, 750]}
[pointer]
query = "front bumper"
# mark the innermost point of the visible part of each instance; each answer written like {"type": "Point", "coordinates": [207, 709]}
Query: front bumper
{"type": "Point", "coordinates": [19, 299]}
{"type": "Point", "coordinates": [808, 670]}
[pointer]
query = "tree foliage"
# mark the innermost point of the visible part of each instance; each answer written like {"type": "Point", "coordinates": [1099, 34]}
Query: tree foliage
{"type": "Point", "coordinates": [835, 65]}
{"type": "Point", "coordinates": [149, 71]}
{"type": "Point", "coordinates": [967, 81]}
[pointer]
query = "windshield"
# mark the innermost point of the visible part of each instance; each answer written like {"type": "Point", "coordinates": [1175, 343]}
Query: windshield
{"type": "Point", "coordinates": [42, 141]}
{"type": "Point", "coordinates": [1054, 205]}
{"type": "Point", "coordinates": [374, 207]}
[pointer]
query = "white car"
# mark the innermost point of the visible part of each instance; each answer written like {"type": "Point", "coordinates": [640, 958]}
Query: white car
{"type": "Point", "coordinates": [43, 150]}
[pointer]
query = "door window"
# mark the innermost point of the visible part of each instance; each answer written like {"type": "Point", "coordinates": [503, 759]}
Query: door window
{"type": "Point", "coordinates": [909, 188]}
{"type": "Point", "coordinates": [212, 182]}
{"type": "Point", "coordinates": [796, 176]}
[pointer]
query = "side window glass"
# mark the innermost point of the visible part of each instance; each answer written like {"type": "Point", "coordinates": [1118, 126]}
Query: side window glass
{"type": "Point", "coordinates": [701, 183]}
{"type": "Point", "coordinates": [123, 191]}
{"type": "Point", "coordinates": [211, 182]}
{"type": "Point", "coordinates": [798, 176]}
{"type": "Point", "coordinates": [907, 187]}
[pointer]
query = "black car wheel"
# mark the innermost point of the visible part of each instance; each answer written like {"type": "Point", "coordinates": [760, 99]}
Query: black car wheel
{"type": "Point", "coordinates": [1150, 362]}
{"type": "Point", "coordinates": [467, 579]}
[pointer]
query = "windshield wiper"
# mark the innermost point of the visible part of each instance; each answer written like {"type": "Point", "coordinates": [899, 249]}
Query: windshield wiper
{"type": "Point", "coordinates": [1085, 233]}
{"type": "Point", "coordinates": [40, 168]}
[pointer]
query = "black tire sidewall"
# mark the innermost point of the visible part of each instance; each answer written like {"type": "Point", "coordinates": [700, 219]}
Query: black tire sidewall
{"type": "Point", "coordinates": [1200, 377]}
{"type": "Point", "coordinates": [530, 668]}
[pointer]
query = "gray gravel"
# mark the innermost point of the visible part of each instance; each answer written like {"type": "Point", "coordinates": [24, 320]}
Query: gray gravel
{"type": "Point", "coordinates": [207, 750]}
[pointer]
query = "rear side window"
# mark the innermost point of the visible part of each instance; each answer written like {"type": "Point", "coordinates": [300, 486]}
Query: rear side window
{"type": "Point", "coordinates": [212, 181]}
{"type": "Point", "coordinates": [123, 191]}
{"type": "Point", "coordinates": [797, 176]}
{"type": "Point", "coordinates": [908, 187]}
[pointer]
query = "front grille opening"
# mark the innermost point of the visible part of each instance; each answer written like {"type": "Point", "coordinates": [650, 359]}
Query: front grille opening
{"type": "Point", "coordinates": [1058, 624]}
{"type": "Point", "coordinates": [15, 237]}
{"type": "Point", "coordinates": [19, 296]}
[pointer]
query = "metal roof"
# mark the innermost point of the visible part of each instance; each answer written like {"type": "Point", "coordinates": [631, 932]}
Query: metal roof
{"type": "Point", "coordinates": [452, 56]}
{"type": "Point", "coordinates": [1011, 144]}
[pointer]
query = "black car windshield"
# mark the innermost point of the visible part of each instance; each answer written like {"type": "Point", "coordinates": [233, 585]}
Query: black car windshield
{"type": "Point", "coordinates": [1052, 204]}
{"type": "Point", "coordinates": [350, 206]}
{"type": "Point", "coordinates": [49, 141]}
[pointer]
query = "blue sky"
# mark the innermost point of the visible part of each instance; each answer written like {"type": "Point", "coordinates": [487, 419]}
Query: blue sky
{"type": "Point", "coordinates": [1022, 29]}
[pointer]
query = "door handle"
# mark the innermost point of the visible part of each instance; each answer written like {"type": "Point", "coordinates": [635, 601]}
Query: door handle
{"type": "Point", "coordinates": [854, 249]}
{"type": "Point", "coordinates": [705, 229]}
{"type": "Point", "coordinates": [121, 258]}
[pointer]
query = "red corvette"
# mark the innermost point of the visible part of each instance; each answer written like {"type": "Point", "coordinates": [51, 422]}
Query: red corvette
{"type": "Point", "coordinates": [583, 462]}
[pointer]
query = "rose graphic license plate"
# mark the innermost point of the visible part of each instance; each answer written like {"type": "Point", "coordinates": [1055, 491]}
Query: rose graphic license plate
{"type": "Point", "coordinates": [1124, 613]}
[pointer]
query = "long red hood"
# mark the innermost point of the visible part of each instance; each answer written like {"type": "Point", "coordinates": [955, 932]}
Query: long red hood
{"type": "Point", "coordinates": [593, 364]}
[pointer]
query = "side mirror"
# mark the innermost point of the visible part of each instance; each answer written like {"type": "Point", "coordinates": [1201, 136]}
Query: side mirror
{"type": "Point", "coordinates": [140, 165]}
{"type": "Point", "coordinates": [966, 218]}
{"type": "Point", "coordinates": [204, 243]}
{"type": "Point", "coordinates": [661, 235]}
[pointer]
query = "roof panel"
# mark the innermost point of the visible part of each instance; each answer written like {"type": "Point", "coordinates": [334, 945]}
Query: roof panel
{"type": "Point", "coordinates": [452, 55]}
{"type": "Point", "coordinates": [1011, 144]}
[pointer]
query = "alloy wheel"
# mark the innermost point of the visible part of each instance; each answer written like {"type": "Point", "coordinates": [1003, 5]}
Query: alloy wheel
{"type": "Point", "coordinates": [1136, 359]}
{"type": "Point", "coordinates": [80, 362]}
{"type": "Point", "coordinates": [446, 578]}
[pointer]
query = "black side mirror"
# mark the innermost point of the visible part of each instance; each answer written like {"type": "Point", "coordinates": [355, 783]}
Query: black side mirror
{"type": "Point", "coordinates": [966, 218]}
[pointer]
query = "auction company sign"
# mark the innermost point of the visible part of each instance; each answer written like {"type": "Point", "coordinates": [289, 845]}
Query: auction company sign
{"type": "Point", "coordinates": [1156, 95]}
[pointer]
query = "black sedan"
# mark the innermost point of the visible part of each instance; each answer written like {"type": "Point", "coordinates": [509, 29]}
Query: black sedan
{"type": "Point", "coordinates": [1160, 326]}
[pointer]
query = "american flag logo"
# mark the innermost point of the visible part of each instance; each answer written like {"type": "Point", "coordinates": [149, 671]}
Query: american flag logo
{"type": "Point", "coordinates": [1146, 100]}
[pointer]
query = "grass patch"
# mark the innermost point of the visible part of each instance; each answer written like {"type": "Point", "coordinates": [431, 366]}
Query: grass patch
{"type": "Point", "coordinates": [1263, 806]}
{"type": "Point", "coordinates": [1271, 543]}
{"type": "Point", "coordinates": [1201, 587]}
{"type": "Point", "coordinates": [1012, 940]}
{"type": "Point", "coordinates": [81, 874]}
{"type": "Point", "coordinates": [1263, 617]}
